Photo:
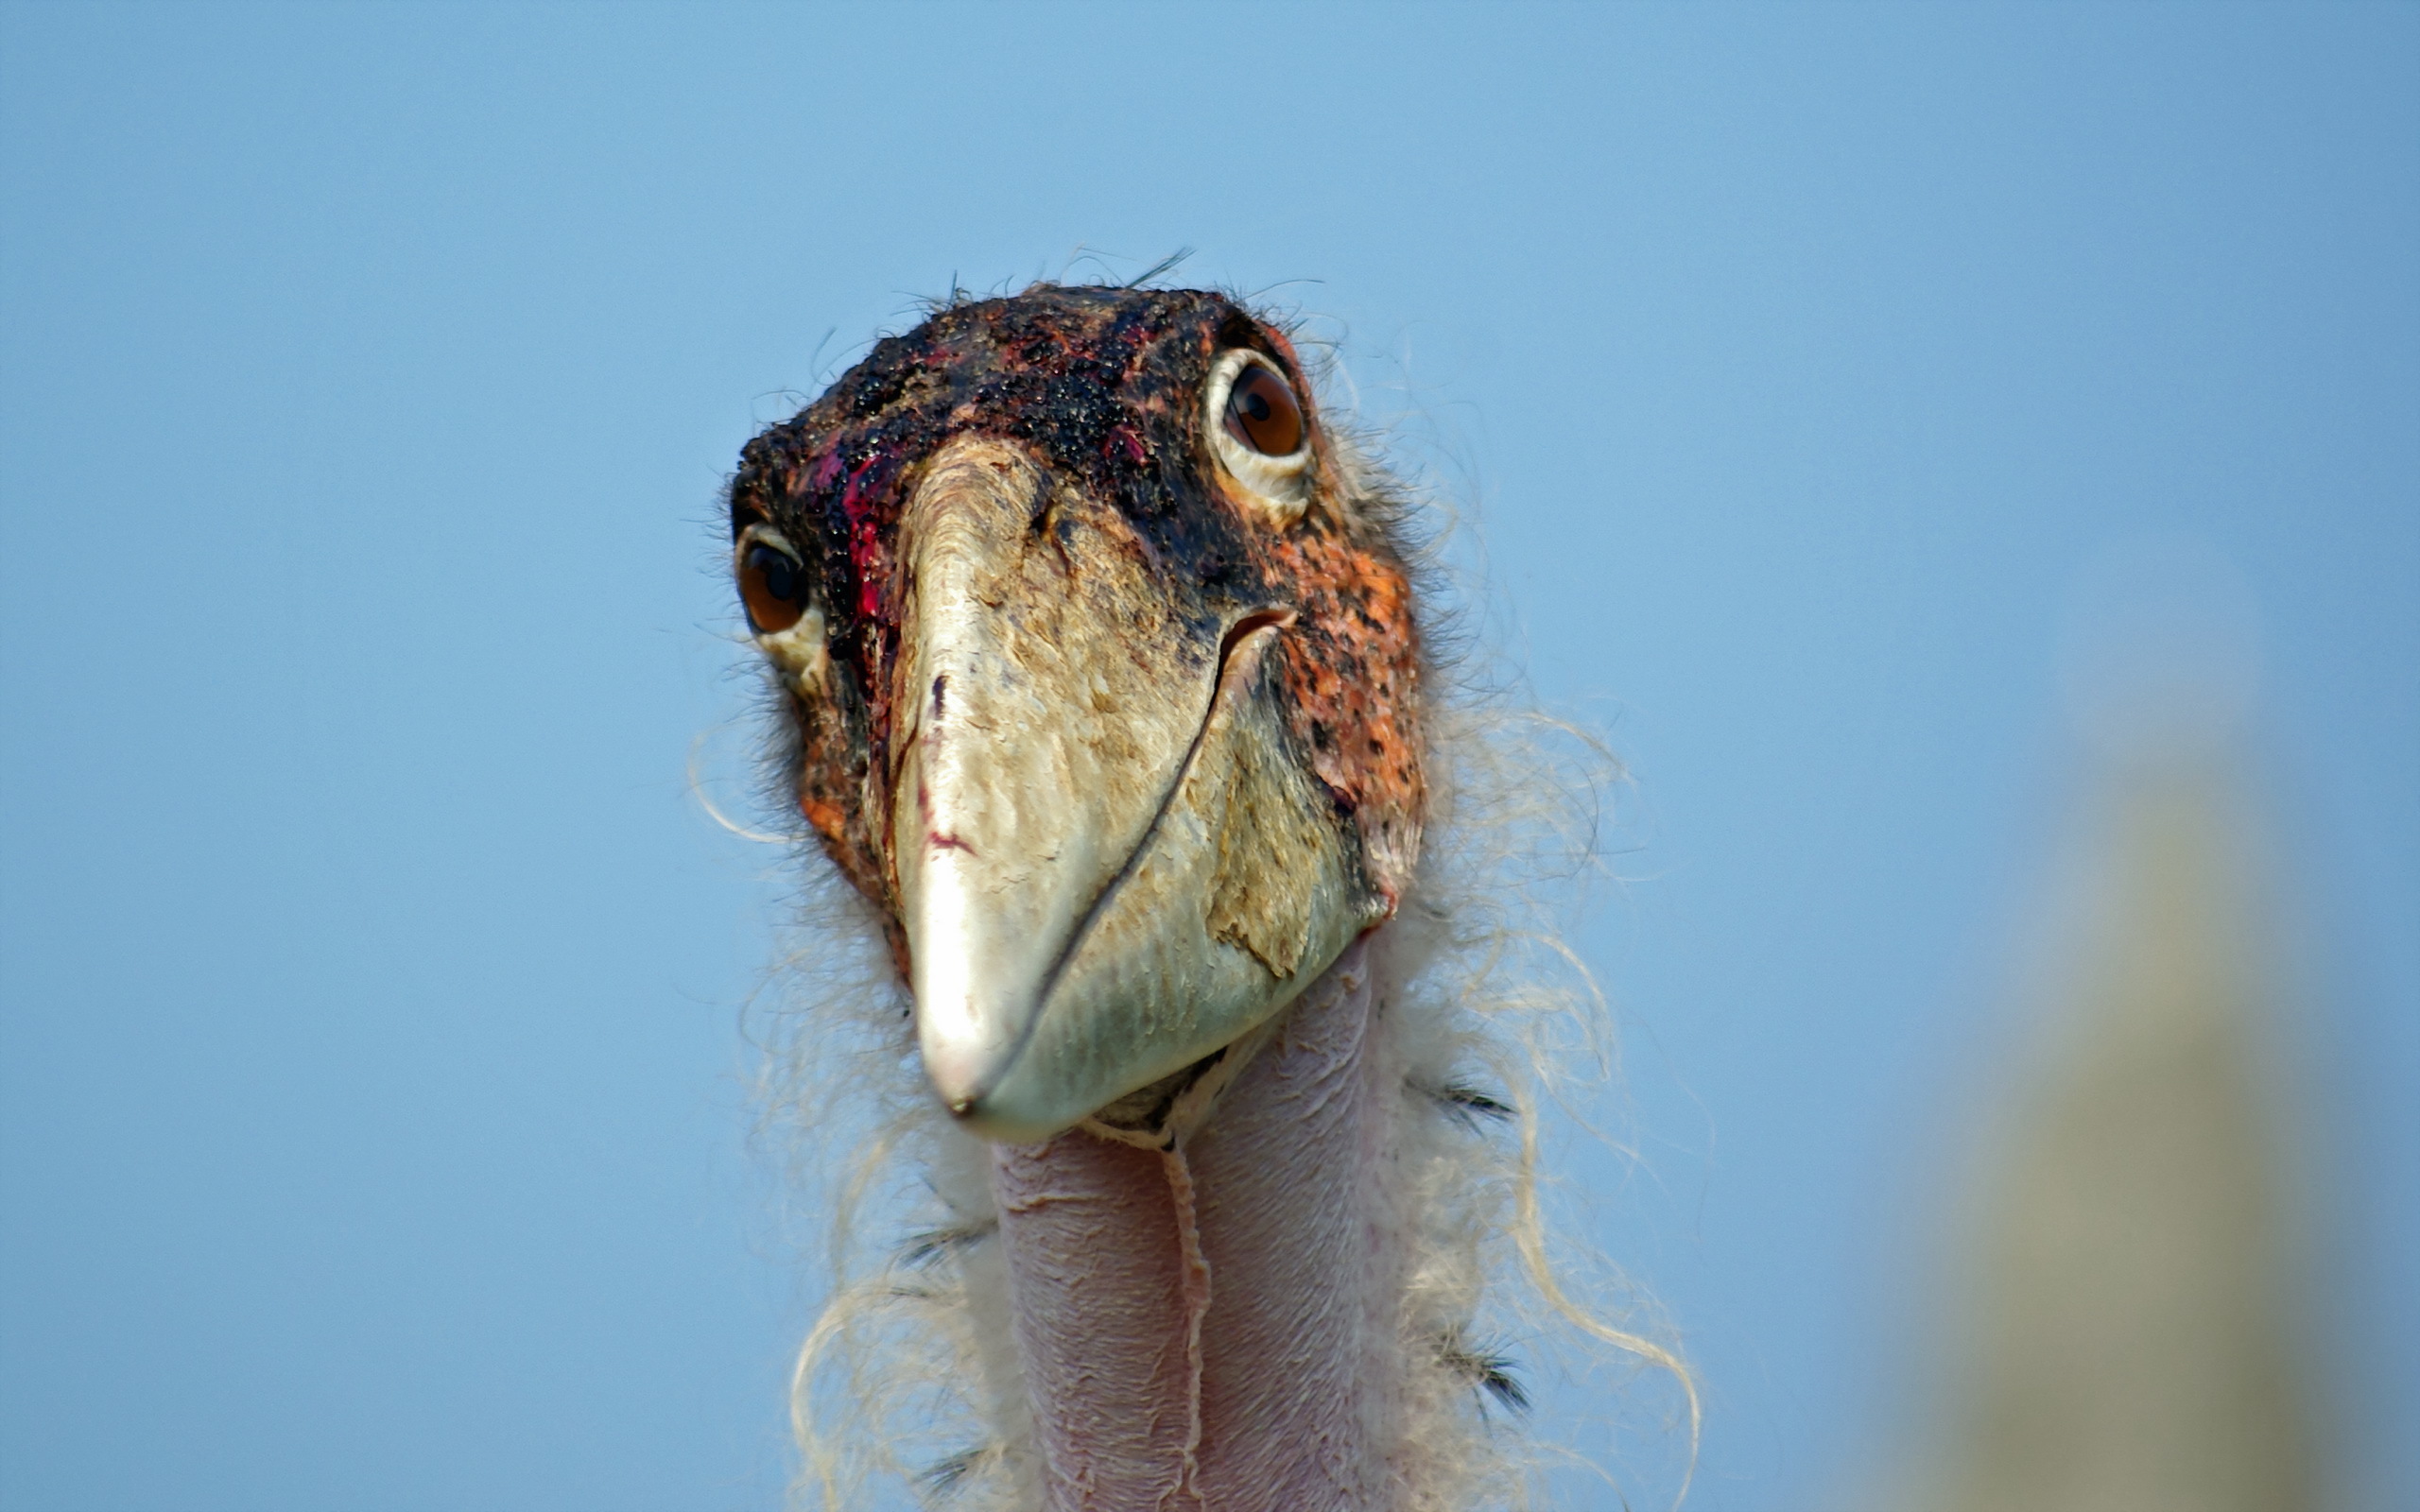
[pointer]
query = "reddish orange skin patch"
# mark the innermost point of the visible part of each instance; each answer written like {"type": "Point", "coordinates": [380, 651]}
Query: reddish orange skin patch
{"type": "Point", "coordinates": [1352, 671]}
{"type": "Point", "coordinates": [828, 819]}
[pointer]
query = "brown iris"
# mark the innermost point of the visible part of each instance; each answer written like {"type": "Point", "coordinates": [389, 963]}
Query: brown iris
{"type": "Point", "coordinates": [772, 586]}
{"type": "Point", "coordinates": [1262, 414]}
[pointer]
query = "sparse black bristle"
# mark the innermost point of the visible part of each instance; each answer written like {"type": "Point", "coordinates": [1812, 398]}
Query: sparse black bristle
{"type": "Point", "coordinates": [944, 1478]}
{"type": "Point", "coordinates": [1489, 1371]}
{"type": "Point", "coordinates": [926, 1247]}
{"type": "Point", "coordinates": [1467, 1105]}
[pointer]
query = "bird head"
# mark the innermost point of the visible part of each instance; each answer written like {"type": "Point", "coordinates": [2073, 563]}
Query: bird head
{"type": "Point", "coordinates": [1104, 687]}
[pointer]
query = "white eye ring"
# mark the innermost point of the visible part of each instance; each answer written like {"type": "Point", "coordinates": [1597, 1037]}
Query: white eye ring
{"type": "Point", "coordinates": [1280, 485]}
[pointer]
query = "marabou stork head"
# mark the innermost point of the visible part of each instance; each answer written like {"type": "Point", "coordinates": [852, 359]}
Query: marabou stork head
{"type": "Point", "coordinates": [1104, 681]}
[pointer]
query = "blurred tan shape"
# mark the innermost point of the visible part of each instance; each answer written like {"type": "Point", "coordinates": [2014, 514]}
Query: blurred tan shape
{"type": "Point", "coordinates": [2125, 1338]}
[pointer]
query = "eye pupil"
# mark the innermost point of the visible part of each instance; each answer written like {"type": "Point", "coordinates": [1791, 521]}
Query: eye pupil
{"type": "Point", "coordinates": [770, 589]}
{"type": "Point", "coordinates": [1262, 412]}
{"type": "Point", "coordinates": [780, 580]}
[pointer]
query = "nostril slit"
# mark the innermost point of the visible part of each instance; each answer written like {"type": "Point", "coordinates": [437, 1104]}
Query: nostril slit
{"type": "Point", "coordinates": [1259, 619]}
{"type": "Point", "coordinates": [941, 692]}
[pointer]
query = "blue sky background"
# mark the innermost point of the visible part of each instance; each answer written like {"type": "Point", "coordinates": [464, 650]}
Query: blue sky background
{"type": "Point", "coordinates": [372, 1120]}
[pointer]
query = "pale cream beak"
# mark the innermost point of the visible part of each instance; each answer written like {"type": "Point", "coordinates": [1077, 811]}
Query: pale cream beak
{"type": "Point", "coordinates": [1110, 863]}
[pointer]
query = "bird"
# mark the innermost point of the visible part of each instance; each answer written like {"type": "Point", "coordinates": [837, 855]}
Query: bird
{"type": "Point", "coordinates": [1100, 676]}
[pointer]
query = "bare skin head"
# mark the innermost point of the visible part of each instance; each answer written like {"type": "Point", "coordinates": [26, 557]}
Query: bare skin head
{"type": "Point", "coordinates": [1105, 684]}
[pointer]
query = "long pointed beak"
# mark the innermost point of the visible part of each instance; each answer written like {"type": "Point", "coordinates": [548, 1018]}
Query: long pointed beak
{"type": "Point", "coordinates": [1109, 862]}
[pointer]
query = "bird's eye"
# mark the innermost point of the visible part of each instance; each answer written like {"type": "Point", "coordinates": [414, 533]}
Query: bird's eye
{"type": "Point", "coordinates": [773, 588]}
{"type": "Point", "coordinates": [1262, 414]}
{"type": "Point", "coordinates": [1259, 432]}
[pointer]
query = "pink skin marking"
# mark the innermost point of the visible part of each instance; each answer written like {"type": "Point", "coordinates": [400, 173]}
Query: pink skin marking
{"type": "Point", "coordinates": [934, 838]}
{"type": "Point", "coordinates": [859, 503]}
{"type": "Point", "coordinates": [1211, 1329]}
{"type": "Point", "coordinates": [1123, 438]}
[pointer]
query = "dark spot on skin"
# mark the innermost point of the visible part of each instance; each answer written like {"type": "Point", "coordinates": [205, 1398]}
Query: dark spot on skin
{"type": "Point", "coordinates": [941, 692]}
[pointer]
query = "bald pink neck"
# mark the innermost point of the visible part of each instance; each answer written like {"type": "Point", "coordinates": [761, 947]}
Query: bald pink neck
{"type": "Point", "coordinates": [1212, 1329]}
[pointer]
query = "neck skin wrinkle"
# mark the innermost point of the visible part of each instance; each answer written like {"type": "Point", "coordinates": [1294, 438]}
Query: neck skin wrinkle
{"type": "Point", "coordinates": [1212, 1328]}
